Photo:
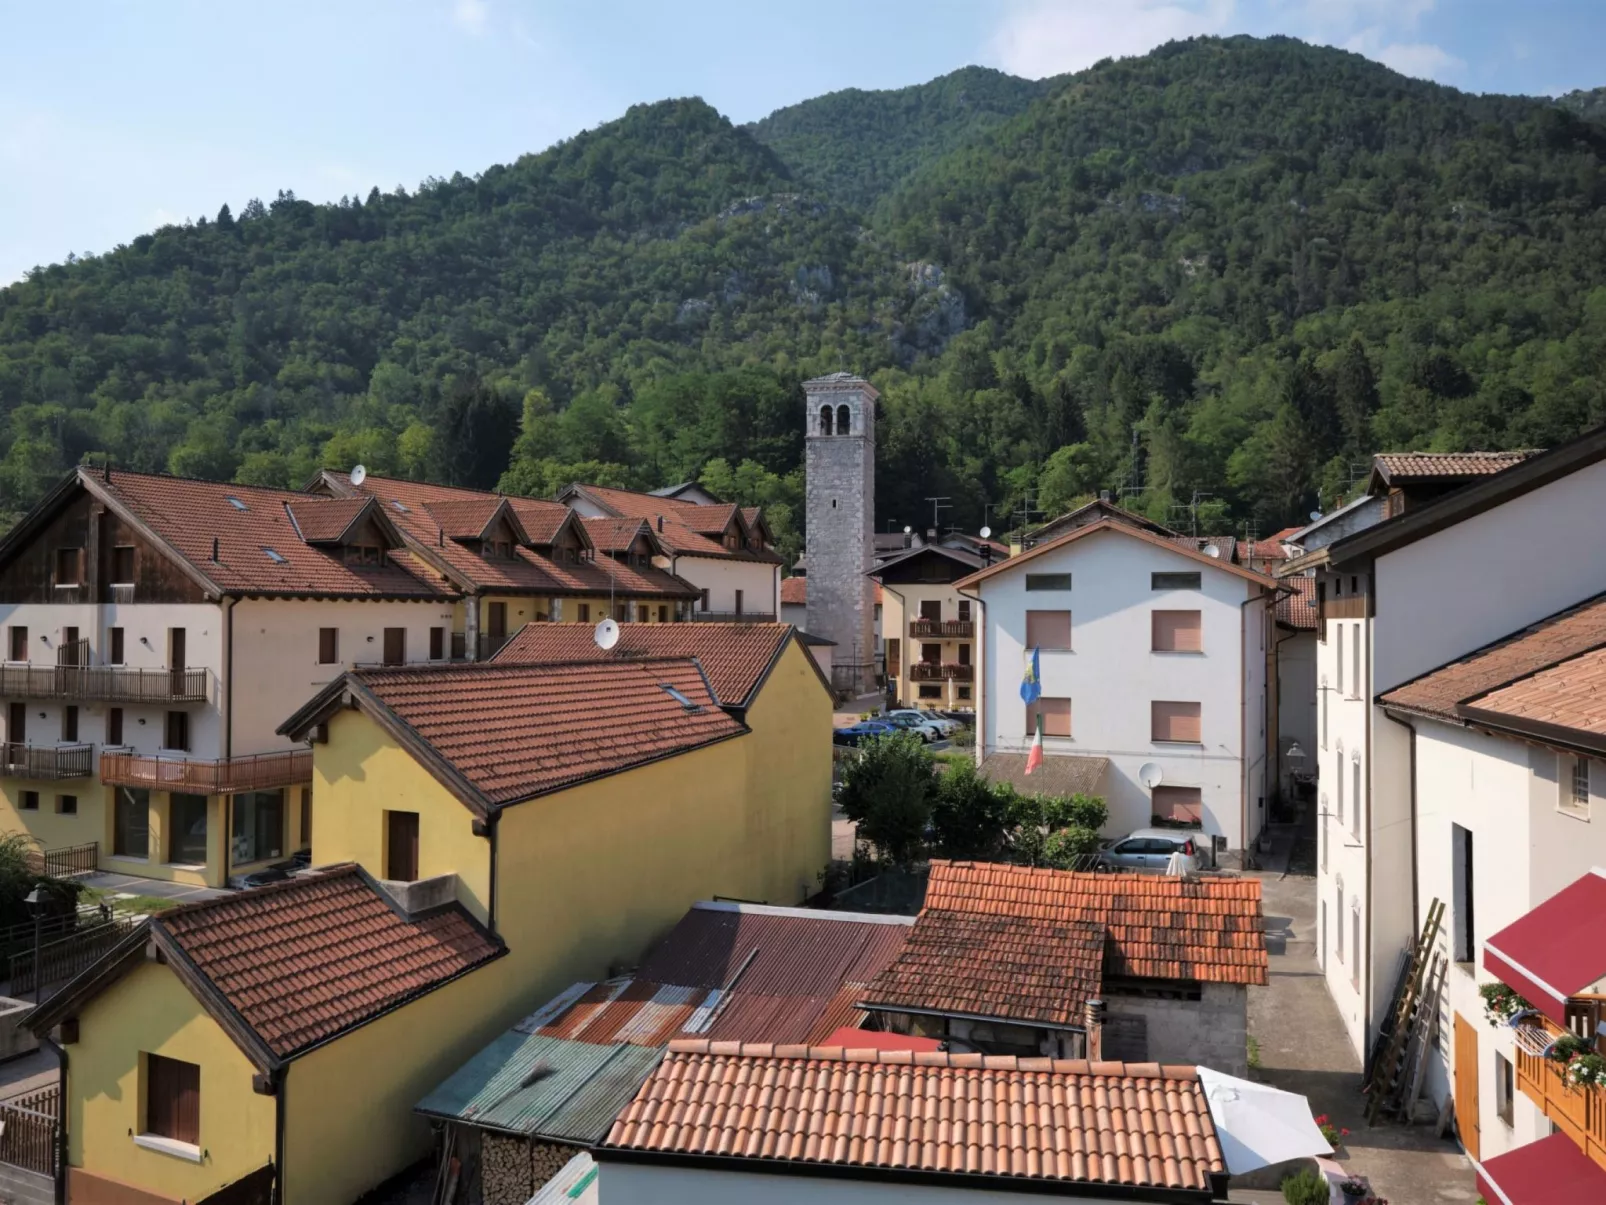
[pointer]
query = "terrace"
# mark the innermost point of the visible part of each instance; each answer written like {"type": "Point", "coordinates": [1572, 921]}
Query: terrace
{"type": "Point", "coordinates": [211, 776]}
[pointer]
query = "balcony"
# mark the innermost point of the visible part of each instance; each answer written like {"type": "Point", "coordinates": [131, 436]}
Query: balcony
{"type": "Point", "coordinates": [941, 629]}
{"type": "Point", "coordinates": [733, 617]}
{"type": "Point", "coordinates": [1579, 1112]}
{"type": "Point", "coordinates": [102, 683]}
{"type": "Point", "coordinates": [48, 761]}
{"type": "Point", "coordinates": [201, 776]}
{"type": "Point", "coordinates": [947, 671]}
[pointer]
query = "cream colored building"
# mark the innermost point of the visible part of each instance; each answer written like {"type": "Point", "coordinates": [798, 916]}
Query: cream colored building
{"type": "Point", "coordinates": [929, 628]}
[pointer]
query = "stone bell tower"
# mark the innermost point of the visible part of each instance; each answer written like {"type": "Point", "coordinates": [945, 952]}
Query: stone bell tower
{"type": "Point", "coordinates": [839, 420]}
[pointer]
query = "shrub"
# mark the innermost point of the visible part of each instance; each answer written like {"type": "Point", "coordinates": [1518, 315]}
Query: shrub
{"type": "Point", "coordinates": [18, 877]}
{"type": "Point", "coordinates": [969, 814]}
{"type": "Point", "coordinates": [887, 791]}
{"type": "Point", "coordinates": [1070, 848]}
{"type": "Point", "coordinates": [1308, 1187]}
{"type": "Point", "coordinates": [1500, 1003]}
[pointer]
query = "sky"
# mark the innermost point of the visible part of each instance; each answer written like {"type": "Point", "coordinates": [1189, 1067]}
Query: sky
{"type": "Point", "coordinates": [121, 116]}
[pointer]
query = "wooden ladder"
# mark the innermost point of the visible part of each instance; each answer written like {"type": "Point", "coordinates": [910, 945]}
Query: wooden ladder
{"type": "Point", "coordinates": [1387, 1070]}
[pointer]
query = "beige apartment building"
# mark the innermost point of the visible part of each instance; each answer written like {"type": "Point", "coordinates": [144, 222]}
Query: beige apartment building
{"type": "Point", "coordinates": [928, 627]}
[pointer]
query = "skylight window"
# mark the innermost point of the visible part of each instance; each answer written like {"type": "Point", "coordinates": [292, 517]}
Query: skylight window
{"type": "Point", "coordinates": [235, 502]}
{"type": "Point", "coordinates": [680, 698]}
{"type": "Point", "coordinates": [400, 505]}
{"type": "Point", "coordinates": [275, 557]}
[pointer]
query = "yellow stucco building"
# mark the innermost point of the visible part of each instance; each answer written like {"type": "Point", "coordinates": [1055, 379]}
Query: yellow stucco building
{"type": "Point", "coordinates": [496, 832]}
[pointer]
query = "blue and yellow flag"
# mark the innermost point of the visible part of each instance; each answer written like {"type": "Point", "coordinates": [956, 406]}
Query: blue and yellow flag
{"type": "Point", "coordinates": [1031, 686]}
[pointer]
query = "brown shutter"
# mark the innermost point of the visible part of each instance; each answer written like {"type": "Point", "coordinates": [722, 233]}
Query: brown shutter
{"type": "Point", "coordinates": [1056, 715]}
{"type": "Point", "coordinates": [114, 726]}
{"type": "Point", "coordinates": [1181, 805]}
{"type": "Point", "coordinates": [328, 646]}
{"type": "Point", "coordinates": [1175, 722]}
{"type": "Point", "coordinates": [173, 1099]}
{"type": "Point", "coordinates": [437, 644]}
{"type": "Point", "coordinates": [401, 861]}
{"type": "Point", "coordinates": [1048, 629]}
{"type": "Point", "coordinates": [1177, 632]}
{"type": "Point", "coordinates": [894, 656]}
{"type": "Point", "coordinates": [395, 646]}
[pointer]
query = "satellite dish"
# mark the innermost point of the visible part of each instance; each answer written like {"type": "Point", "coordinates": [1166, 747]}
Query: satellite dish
{"type": "Point", "coordinates": [359, 474]}
{"type": "Point", "coordinates": [987, 533]}
{"type": "Point", "coordinates": [1212, 551]}
{"type": "Point", "coordinates": [607, 634]}
{"type": "Point", "coordinates": [907, 529]}
{"type": "Point", "coordinates": [1149, 775]}
{"type": "Point", "coordinates": [1314, 515]}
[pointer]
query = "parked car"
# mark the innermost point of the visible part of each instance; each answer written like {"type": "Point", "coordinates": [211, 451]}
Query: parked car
{"type": "Point", "coordinates": [939, 721]}
{"type": "Point", "coordinates": [1150, 849]}
{"type": "Point", "coordinates": [910, 721]}
{"type": "Point", "coordinates": [857, 734]}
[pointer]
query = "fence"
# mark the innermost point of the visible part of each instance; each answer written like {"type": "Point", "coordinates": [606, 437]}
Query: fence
{"type": "Point", "coordinates": [30, 1128]}
{"type": "Point", "coordinates": [65, 862]}
{"type": "Point", "coordinates": [223, 776]}
{"type": "Point", "coordinates": [22, 760]}
{"type": "Point", "coordinates": [63, 958]}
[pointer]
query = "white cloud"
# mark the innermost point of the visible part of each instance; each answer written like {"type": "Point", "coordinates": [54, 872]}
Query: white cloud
{"type": "Point", "coordinates": [165, 217]}
{"type": "Point", "coordinates": [1423, 60]}
{"type": "Point", "coordinates": [471, 14]}
{"type": "Point", "coordinates": [1047, 37]}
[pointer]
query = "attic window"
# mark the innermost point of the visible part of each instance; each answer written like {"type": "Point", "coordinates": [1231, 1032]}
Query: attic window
{"type": "Point", "coordinates": [235, 502]}
{"type": "Point", "coordinates": [272, 555]}
{"type": "Point", "coordinates": [400, 505]}
{"type": "Point", "coordinates": [680, 698]}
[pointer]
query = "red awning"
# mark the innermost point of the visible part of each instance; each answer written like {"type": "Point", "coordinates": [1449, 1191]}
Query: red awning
{"type": "Point", "coordinates": [1557, 950]}
{"type": "Point", "coordinates": [1552, 1171]}
{"type": "Point", "coordinates": [869, 1039]}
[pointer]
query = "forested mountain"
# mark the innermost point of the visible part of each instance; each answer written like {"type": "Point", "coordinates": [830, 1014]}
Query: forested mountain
{"type": "Point", "coordinates": [1219, 274]}
{"type": "Point", "coordinates": [1589, 103]}
{"type": "Point", "coordinates": [857, 146]}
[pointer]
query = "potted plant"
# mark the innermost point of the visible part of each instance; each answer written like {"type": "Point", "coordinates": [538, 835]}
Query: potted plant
{"type": "Point", "coordinates": [1500, 1003]}
{"type": "Point", "coordinates": [1354, 1190]}
{"type": "Point", "coordinates": [1569, 1047]}
{"type": "Point", "coordinates": [1587, 1070]}
{"type": "Point", "coordinates": [1335, 1135]}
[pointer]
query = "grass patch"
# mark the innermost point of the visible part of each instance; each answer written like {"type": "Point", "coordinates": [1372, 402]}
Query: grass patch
{"type": "Point", "coordinates": [132, 903]}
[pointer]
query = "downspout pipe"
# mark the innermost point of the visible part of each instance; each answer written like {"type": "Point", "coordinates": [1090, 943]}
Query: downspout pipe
{"type": "Point", "coordinates": [1243, 724]}
{"type": "Point", "coordinates": [228, 728]}
{"type": "Point", "coordinates": [982, 668]}
{"type": "Point", "coordinates": [281, 1083]}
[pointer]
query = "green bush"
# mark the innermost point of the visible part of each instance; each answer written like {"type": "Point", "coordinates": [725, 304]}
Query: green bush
{"type": "Point", "coordinates": [1308, 1187]}
{"type": "Point", "coordinates": [968, 815]}
{"type": "Point", "coordinates": [1070, 848]}
{"type": "Point", "coordinates": [888, 792]}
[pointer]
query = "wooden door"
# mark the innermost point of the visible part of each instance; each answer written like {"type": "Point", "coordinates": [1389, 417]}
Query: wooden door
{"type": "Point", "coordinates": [16, 726]}
{"type": "Point", "coordinates": [401, 859]}
{"type": "Point", "coordinates": [931, 608]}
{"type": "Point", "coordinates": [1466, 1084]}
{"type": "Point", "coordinates": [395, 646]}
{"type": "Point", "coordinates": [496, 620]}
{"type": "Point", "coordinates": [176, 654]}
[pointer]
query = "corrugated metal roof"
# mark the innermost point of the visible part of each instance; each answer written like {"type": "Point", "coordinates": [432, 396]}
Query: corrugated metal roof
{"type": "Point", "coordinates": [543, 1087]}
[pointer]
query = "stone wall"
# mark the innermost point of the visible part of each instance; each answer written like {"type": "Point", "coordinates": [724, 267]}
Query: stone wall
{"type": "Point", "coordinates": [1212, 1031]}
{"type": "Point", "coordinates": [840, 500]}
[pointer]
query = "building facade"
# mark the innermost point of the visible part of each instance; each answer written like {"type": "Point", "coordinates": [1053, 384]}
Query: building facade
{"type": "Point", "coordinates": [1152, 656]}
{"type": "Point", "coordinates": [839, 462]}
{"type": "Point", "coordinates": [930, 629]}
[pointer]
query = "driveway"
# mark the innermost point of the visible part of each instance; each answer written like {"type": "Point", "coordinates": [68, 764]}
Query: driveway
{"type": "Point", "coordinates": [1303, 1048]}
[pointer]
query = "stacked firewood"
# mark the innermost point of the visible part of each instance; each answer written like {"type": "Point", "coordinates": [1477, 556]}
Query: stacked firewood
{"type": "Point", "coordinates": [511, 1169]}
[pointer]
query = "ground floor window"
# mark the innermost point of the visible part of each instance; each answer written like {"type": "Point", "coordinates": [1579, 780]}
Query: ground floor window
{"type": "Point", "coordinates": [1504, 1086]}
{"type": "Point", "coordinates": [172, 1099]}
{"type": "Point", "coordinates": [67, 805]}
{"type": "Point", "coordinates": [30, 801]}
{"type": "Point", "coordinates": [258, 826]}
{"type": "Point", "coordinates": [131, 823]}
{"type": "Point", "coordinates": [186, 826]}
{"type": "Point", "coordinates": [931, 692]}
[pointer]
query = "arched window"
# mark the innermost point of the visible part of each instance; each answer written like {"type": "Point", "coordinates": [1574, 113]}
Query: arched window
{"type": "Point", "coordinates": [844, 420]}
{"type": "Point", "coordinates": [825, 420]}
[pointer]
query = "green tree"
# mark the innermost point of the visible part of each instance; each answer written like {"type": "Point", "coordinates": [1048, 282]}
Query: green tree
{"type": "Point", "coordinates": [887, 790]}
{"type": "Point", "coordinates": [968, 814]}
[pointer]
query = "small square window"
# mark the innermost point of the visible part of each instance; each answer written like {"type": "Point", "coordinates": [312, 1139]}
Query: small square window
{"type": "Point", "coordinates": [1574, 787]}
{"type": "Point", "coordinates": [69, 566]}
{"type": "Point", "coordinates": [931, 692]}
{"type": "Point", "coordinates": [1504, 1087]}
{"type": "Point", "coordinates": [328, 646]}
{"type": "Point", "coordinates": [123, 565]}
{"type": "Point", "coordinates": [173, 1098]}
{"type": "Point", "coordinates": [67, 805]}
{"type": "Point", "coordinates": [29, 801]}
{"type": "Point", "coordinates": [1048, 581]}
{"type": "Point", "coordinates": [1175, 581]}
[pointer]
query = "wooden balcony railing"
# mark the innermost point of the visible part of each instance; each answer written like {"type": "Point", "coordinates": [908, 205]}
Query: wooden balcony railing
{"type": "Point", "coordinates": [947, 671]}
{"type": "Point", "coordinates": [942, 629]}
{"type": "Point", "coordinates": [223, 776]}
{"type": "Point", "coordinates": [102, 683]}
{"type": "Point", "coordinates": [1580, 1112]}
{"type": "Point", "coordinates": [47, 761]}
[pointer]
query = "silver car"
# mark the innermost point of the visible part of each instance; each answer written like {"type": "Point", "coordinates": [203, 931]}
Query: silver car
{"type": "Point", "coordinates": [1151, 849]}
{"type": "Point", "coordinates": [942, 724]}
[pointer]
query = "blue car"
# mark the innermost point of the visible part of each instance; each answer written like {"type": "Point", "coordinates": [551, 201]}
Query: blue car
{"type": "Point", "coordinates": [857, 734]}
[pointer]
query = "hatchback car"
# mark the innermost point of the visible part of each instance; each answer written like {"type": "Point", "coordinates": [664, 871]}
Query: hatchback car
{"type": "Point", "coordinates": [941, 722]}
{"type": "Point", "coordinates": [910, 721]}
{"type": "Point", "coordinates": [1150, 849]}
{"type": "Point", "coordinates": [857, 734]}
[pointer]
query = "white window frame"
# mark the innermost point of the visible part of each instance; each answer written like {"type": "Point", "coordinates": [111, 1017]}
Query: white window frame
{"type": "Point", "coordinates": [1355, 794]}
{"type": "Point", "coordinates": [1576, 772]}
{"type": "Point", "coordinates": [1339, 659]}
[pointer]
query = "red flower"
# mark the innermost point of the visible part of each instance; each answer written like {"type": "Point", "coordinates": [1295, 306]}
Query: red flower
{"type": "Point", "coordinates": [1322, 1120]}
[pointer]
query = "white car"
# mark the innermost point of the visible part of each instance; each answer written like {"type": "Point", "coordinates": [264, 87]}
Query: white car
{"type": "Point", "coordinates": [940, 728]}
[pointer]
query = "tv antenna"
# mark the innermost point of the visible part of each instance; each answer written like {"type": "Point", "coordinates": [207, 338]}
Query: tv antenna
{"type": "Point", "coordinates": [938, 505]}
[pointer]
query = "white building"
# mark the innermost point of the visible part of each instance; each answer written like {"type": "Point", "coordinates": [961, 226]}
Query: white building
{"type": "Point", "coordinates": [1153, 658]}
{"type": "Point", "coordinates": [1396, 600]}
{"type": "Point", "coordinates": [1510, 809]}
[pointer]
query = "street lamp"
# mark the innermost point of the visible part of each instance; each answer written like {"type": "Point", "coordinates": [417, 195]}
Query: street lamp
{"type": "Point", "coordinates": [36, 909]}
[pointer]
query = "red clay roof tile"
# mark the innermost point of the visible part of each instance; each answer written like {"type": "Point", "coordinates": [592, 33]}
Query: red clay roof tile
{"type": "Point", "coordinates": [1298, 610]}
{"type": "Point", "coordinates": [303, 960]}
{"type": "Point", "coordinates": [513, 732]}
{"type": "Point", "coordinates": [795, 591]}
{"type": "Point", "coordinates": [1402, 467]}
{"type": "Point", "coordinates": [998, 1116]}
{"type": "Point", "coordinates": [687, 529]}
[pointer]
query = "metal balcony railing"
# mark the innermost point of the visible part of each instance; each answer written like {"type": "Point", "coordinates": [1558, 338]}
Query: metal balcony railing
{"type": "Point", "coordinates": [942, 629]}
{"type": "Point", "coordinates": [200, 776]}
{"type": "Point", "coordinates": [947, 671]}
{"type": "Point", "coordinates": [47, 761]}
{"type": "Point", "coordinates": [102, 683]}
{"type": "Point", "coordinates": [733, 616]}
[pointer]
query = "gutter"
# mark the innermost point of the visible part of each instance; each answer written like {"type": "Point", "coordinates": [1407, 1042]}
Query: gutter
{"type": "Point", "coordinates": [281, 1083]}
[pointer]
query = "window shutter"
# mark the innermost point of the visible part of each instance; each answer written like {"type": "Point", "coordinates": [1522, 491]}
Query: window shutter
{"type": "Point", "coordinates": [1177, 632]}
{"type": "Point", "coordinates": [173, 1102]}
{"type": "Point", "coordinates": [1180, 805]}
{"type": "Point", "coordinates": [1056, 715]}
{"type": "Point", "coordinates": [1178, 722]}
{"type": "Point", "coordinates": [1048, 629]}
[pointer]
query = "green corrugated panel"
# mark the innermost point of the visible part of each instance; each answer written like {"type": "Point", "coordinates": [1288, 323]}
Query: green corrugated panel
{"type": "Point", "coordinates": [576, 1090]}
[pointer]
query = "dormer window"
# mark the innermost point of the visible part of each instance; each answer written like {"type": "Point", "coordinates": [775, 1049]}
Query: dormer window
{"type": "Point", "coordinates": [363, 554]}
{"type": "Point", "coordinates": [733, 541]}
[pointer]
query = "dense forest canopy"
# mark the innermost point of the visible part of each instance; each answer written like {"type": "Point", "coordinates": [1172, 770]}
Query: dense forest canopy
{"type": "Point", "coordinates": [1213, 279]}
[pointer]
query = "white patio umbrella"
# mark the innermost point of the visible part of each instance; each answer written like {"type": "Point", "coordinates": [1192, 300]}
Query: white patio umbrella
{"type": "Point", "coordinates": [1259, 1125]}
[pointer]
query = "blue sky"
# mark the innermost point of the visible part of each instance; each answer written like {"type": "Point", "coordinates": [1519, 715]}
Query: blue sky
{"type": "Point", "coordinates": [120, 116]}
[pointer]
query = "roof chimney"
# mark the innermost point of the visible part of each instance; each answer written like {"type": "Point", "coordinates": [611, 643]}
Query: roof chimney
{"type": "Point", "coordinates": [1104, 495]}
{"type": "Point", "coordinates": [214, 549]}
{"type": "Point", "coordinates": [1094, 1013]}
{"type": "Point", "coordinates": [106, 470]}
{"type": "Point", "coordinates": [660, 522]}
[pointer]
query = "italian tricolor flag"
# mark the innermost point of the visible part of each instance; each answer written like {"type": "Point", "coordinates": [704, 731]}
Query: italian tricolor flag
{"type": "Point", "coordinates": [1035, 757]}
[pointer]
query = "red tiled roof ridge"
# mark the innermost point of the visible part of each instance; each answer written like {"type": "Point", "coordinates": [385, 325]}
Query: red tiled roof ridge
{"type": "Point", "coordinates": [934, 1058]}
{"type": "Point", "coordinates": [509, 668]}
{"type": "Point", "coordinates": [335, 870]}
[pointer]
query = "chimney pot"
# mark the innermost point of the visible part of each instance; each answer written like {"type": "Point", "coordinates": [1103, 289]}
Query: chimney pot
{"type": "Point", "coordinates": [1104, 495]}
{"type": "Point", "coordinates": [1094, 1014]}
{"type": "Point", "coordinates": [660, 523]}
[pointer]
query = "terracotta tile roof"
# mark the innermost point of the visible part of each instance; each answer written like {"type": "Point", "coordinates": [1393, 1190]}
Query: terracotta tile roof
{"type": "Point", "coordinates": [1548, 668]}
{"type": "Point", "coordinates": [413, 507]}
{"type": "Point", "coordinates": [1298, 610]}
{"type": "Point", "coordinates": [1401, 467]}
{"type": "Point", "coordinates": [736, 971]}
{"type": "Point", "coordinates": [1187, 546]}
{"type": "Point", "coordinates": [1092, 512]}
{"type": "Point", "coordinates": [308, 958]}
{"type": "Point", "coordinates": [513, 732]}
{"type": "Point", "coordinates": [996, 966]}
{"type": "Point", "coordinates": [794, 591]}
{"type": "Point", "coordinates": [1159, 927]}
{"type": "Point", "coordinates": [711, 521]}
{"type": "Point", "coordinates": [735, 656]}
{"type": "Point", "coordinates": [1569, 695]}
{"type": "Point", "coordinates": [1226, 546]}
{"type": "Point", "coordinates": [614, 535]}
{"type": "Point", "coordinates": [688, 529]}
{"type": "Point", "coordinates": [1271, 548]}
{"type": "Point", "coordinates": [961, 1114]}
{"type": "Point", "coordinates": [325, 520]}
{"type": "Point", "coordinates": [190, 514]}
